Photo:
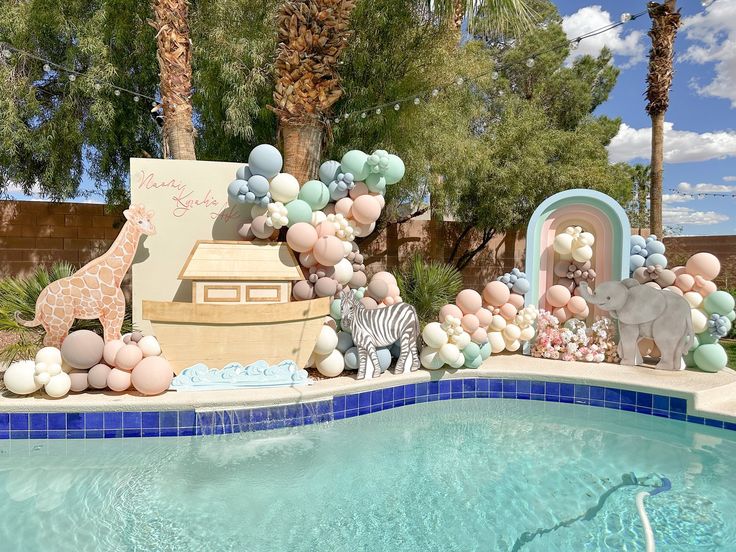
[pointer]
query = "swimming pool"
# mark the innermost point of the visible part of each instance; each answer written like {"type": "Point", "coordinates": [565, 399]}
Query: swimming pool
{"type": "Point", "coordinates": [467, 474]}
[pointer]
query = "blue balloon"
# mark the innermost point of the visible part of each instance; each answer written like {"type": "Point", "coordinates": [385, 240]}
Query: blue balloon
{"type": "Point", "coordinates": [244, 189]}
{"type": "Point", "coordinates": [636, 261]}
{"type": "Point", "coordinates": [241, 198]}
{"type": "Point", "coordinates": [243, 173]}
{"type": "Point", "coordinates": [328, 171]}
{"type": "Point", "coordinates": [258, 185]}
{"type": "Point", "coordinates": [351, 358]}
{"type": "Point", "coordinates": [233, 189]}
{"type": "Point", "coordinates": [265, 160]}
{"type": "Point", "coordinates": [657, 259]}
{"type": "Point", "coordinates": [655, 247]}
{"type": "Point", "coordinates": [638, 240]}
{"type": "Point", "coordinates": [384, 358]}
{"type": "Point", "coordinates": [250, 197]}
{"type": "Point", "coordinates": [521, 286]}
{"type": "Point", "coordinates": [344, 341]}
{"type": "Point", "coordinates": [635, 250]}
{"type": "Point", "coordinates": [335, 192]}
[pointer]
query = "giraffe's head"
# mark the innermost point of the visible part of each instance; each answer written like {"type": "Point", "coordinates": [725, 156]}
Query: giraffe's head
{"type": "Point", "coordinates": [141, 219]}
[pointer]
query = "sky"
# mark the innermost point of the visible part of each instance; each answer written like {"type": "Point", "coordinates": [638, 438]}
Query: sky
{"type": "Point", "coordinates": [700, 128]}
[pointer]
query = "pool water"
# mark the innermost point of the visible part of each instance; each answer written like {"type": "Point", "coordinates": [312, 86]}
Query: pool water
{"type": "Point", "coordinates": [458, 475]}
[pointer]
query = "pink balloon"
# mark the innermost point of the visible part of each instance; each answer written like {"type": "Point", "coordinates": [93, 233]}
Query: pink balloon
{"type": "Point", "coordinates": [380, 199]}
{"type": "Point", "coordinates": [306, 259]}
{"type": "Point", "coordinates": [679, 270]}
{"type": "Point", "coordinates": [496, 293]}
{"type": "Point", "coordinates": [246, 232]}
{"type": "Point", "coordinates": [705, 287]}
{"type": "Point", "coordinates": [685, 282]}
{"type": "Point", "coordinates": [508, 311]}
{"type": "Point", "coordinates": [706, 265]}
{"type": "Point", "coordinates": [344, 206]}
{"type": "Point", "coordinates": [558, 296]}
{"type": "Point", "coordinates": [303, 290]}
{"type": "Point", "coordinates": [484, 317]}
{"type": "Point", "coordinates": [359, 279]}
{"type": "Point", "coordinates": [450, 310]}
{"type": "Point", "coordinates": [581, 315]}
{"type": "Point", "coordinates": [479, 336]}
{"type": "Point", "coordinates": [469, 301]}
{"type": "Point", "coordinates": [260, 229]}
{"type": "Point", "coordinates": [561, 268]}
{"type": "Point", "coordinates": [128, 356]}
{"type": "Point", "coordinates": [386, 277]}
{"type": "Point", "coordinates": [676, 290]}
{"type": "Point", "coordinates": [152, 375]}
{"type": "Point", "coordinates": [325, 287]}
{"type": "Point", "coordinates": [369, 303]}
{"type": "Point", "coordinates": [328, 250]}
{"type": "Point", "coordinates": [301, 237]}
{"type": "Point", "coordinates": [516, 300]}
{"type": "Point", "coordinates": [325, 228]}
{"type": "Point", "coordinates": [470, 323]}
{"type": "Point", "coordinates": [360, 189]}
{"type": "Point", "coordinates": [388, 301]}
{"type": "Point", "coordinates": [111, 349]}
{"type": "Point", "coordinates": [97, 376]}
{"type": "Point", "coordinates": [394, 291]}
{"type": "Point", "coordinates": [577, 305]}
{"type": "Point", "coordinates": [366, 209]}
{"type": "Point", "coordinates": [119, 380]}
{"type": "Point", "coordinates": [562, 314]}
{"type": "Point", "coordinates": [378, 289]}
{"type": "Point", "coordinates": [79, 380]}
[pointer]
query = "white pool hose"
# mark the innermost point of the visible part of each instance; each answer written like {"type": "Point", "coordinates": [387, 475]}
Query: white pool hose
{"type": "Point", "coordinates": [648, 533]}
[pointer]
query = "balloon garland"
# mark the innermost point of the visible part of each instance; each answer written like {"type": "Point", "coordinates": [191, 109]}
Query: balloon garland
{"type": "Point", "coordinates": [574, 249]}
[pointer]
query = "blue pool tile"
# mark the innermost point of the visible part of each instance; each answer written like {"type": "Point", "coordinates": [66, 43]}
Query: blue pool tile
{"type": "Point", "coordinates": [107, 433]}
{"type": "Point", "coordinates": [483, 384]}
{"type": "Point", "coordinates": [597, 403]}
{"type": "Point", "coordinates": [523, 386]}
{"type": "Point", "coordinates": [523, 396]}
{"type": "Point", "coordinates": [18, 422]}
{"type": "Point", "coordinates": [644, 399]}
{"type": "Point", "coordinates": [661, 413]}
{"type": "Point", "coordinates": [19, 434]}
{"type": "Point", "coordinates": [364, 399]}
{"type": "Point", "coordinates": [713, 423]}
{"type": "Point", "coordinates": [399, 392]}
{"type": "Point", "coordinates": [131, 420]}
{"type": "Point", "coordinates": [4, 421]}
{"type": "Point", "coordinates": [74, 421]}
{"type": "Point", "coordinates": [445, 386]}
{"type": "Point", "coordinates": [295, 422]}
{"type": "Point", "coordinates": [612, 395]}
{"type": "Point", "coordinates": [258, 415]}
{"type": "Point", "coordinates": [552, 398]}
{"type": "Point", "coordinates": [204, 419]}
{"type": "Point", "coordinates": [186, 431]}
{"type": "Point", "coordinates": [434, 388]}
{"type": "Point", "coordinates": [150, 420]}
{"type": "Point", "coordinates": [422, 399]}
{"type": "Point", "coordinates": [537, 387]}
{"type": "Point", "coordinates": [351, 412]}
{"type": "Point", "coordinates": [678, 416]}
{"type": "Point", "coordinates": [339, 415]}
{"type": "Point", "coordinates": [168, 432]}
{"type": "Point", "coordinates": [597, 392]}
{"type": "Point", "coordinates": [410, 400]}
{"type": "Point", "coordinates": [322, 407]}
{"type": "Point", "coordinates": [388, 395]}
{"type": "Point", "coordinates": [169, 418]}
{"type": "Point", "coordinates": [536, 397]}
{"type": "Point", "coordinates": [338, 404]}
{"type": "Point", "coordinates": [567, 390]}
{"type": "Point", "coordinates": [376, 407]}
{"type": "Point", "coordinates": [564, 399]}
{"type": "Point", "coordinates": [56, 434]}
{"type": "Point", "coordinates": [277, 424]}
{"type": "Point", "coordinates": [678, 405]}
{"type": "Point", "coordinates": [410, 391]}
{"type": "Point", "coordinates": [351, 402]}
{"type": "Point", "coordinates": [422, 389]}
{"type": "Point", "coordinates": [494, 394]}
{"type": "Point", "coordinates": [38, 434]}
{"type": "Point", "coordinates": [552, 388]}
{"type": "Point", "coordinates": [363, 410]}
{"type": "Point", "coordinates": [93, 420]}
{"type": "Point", "coordinates": [612, 405]}
{"type": "Point", "coordinates": [729, 426]}
{"type": "Point", "coordinates": [279, 412]}
{"type": "Point", "coordinates": [444, 396]}
{"type": "Point", "coordinates": [660, 402]}
{"type": "Point", "coordinates": [376, 397]}
{"type": "Point", "coordinates": [187, 418]}
{"type": "Point", "coordinates": [508, 386]}
{"type": "Point", "coordinates": [508, 395]}
{"type": "Point", "coordinates": [495, 385]}
{"type": "Point", "coordinates": [4, 434]}
{"type": "Point", "coordinates": [643, 410]}
{"type": "Point", "coordinates": [39, 422]}
{"type": "Point", "coordinates": [582, 391]}
{"type": "Point", "coordinates": [93, 433]}
{"type": "Point", "coordinates": [112, 420]}
{"type": "Point", "coordinates": [628, 397]}
{"type": "Point", "coordinates": [295, 410]}
{"type": "Point", "coordinates": [628, 407]}
{"type": "Point", "coordinates": [457, 393]}
{"type": "Point", "coordinates": [78, 434]}
{"type": "Point", "coordinates": [581, 400]}
{"type": "Point", "coordinates": [57, 420]}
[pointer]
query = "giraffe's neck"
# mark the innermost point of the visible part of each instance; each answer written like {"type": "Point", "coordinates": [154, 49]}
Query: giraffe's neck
{"type": "Point", "coordinates": [122, 251]}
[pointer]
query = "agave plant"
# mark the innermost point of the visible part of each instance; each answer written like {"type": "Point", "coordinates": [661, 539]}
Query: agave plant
{"type": "Point", "coordinates": [428, 286]}
{"type": "Point", "coordinates": [18, 294]}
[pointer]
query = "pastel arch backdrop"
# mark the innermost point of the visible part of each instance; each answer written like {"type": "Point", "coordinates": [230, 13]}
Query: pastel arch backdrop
{"type": "Point", "coordinates": [595, 212]}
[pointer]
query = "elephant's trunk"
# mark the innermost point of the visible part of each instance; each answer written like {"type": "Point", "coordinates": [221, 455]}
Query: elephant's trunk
{"type": "Point", "coordinates": [587, 294]}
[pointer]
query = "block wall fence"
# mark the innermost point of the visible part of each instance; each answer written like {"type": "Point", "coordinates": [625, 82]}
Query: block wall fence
{"type": "Point", "coordinates": [38, 232]}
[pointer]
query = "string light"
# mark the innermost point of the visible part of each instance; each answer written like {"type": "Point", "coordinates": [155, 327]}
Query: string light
{"type": "Point", "coordinates": [416, 101]}
{"type": "Point", "coordinates": [530, 62]}
{"type": "Point", "coordinates": [625, 17]}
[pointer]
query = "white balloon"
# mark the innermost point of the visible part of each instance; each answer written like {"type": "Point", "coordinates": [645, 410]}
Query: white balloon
{"type": "Point", "coordinates": [49, 355]}
{"type": "Point", "coordinates": [331, 365]}
{"type": "Point", "coordinates": [430, 358]}
{"type": "Point", "coordinates": [326, 341]}
{"type": "Point", "coordinates": [513, 345]}
{"type": "Point", "coordinates": [347, 247]}
{"type": "Point", "coordinates": [19, 377]}
{"type": "Point", "coordinates": [434, 335]}
{"type": "Point", "coordinates": [449, 353]}
{"type": "Point", "coordinates": [563, 243]}
{"type": "Point", "coordinates": [343, 271]}
{"type": "Point", "coordinates": [582, 254]}
{"type": "Point", "coordinates": [462, 340]}
{"type": "Point", "coordinates": [694, 299]}
{"type": "Point", "coordinates": [511, 332]}
{"type": "Point", "coordinates": [586, 238]}
{"type": "Point", "coordinates": [284, 188]}
{"type": "Point", "coordinates": [498, 323]}
{"type": "Point", "coordinates": [700, 320]}
{"type": "Point", "coordinates": [458, 362]}
{"type": "Point", "coordinates": [59, 385]}
{"type": "Point", "coordinates": [496, 341]}
{"type": "Point", "coordinates": [318, 217]}
{"type": "Point", "coordinates": [149, 346]}
{"type": "Point", "coordinates": [527, 333]}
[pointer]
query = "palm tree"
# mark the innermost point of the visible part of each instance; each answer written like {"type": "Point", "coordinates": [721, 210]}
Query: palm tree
{"type": "Point", "coordinates": [313, 33]}
{"type": "Point", "coordinates": [174, 53]}
{"type": "Point", "coordinates": [640, 179]}
{"type": "Point", "coordinates": [665, 22]}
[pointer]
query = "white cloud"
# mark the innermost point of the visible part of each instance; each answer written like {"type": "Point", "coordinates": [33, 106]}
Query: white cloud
{"type": "Point", "coordinates": [680, 146]}
{"type": "Point", "coordinates": [729, 178]}
{"type": "Point", "coordinates": [675, 198]}
{"type": "Point", "coordinates": [714, 31]}
{"type": "Point", "coordinates": [589, 18]}
{"type": "Point", "coordinates": [686, 215]}
{"type": "Point", "coordinates": [706, 188]}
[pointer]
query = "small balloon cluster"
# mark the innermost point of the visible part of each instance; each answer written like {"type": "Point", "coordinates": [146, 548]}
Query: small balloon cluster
{"type": "Point", "coordinates": [86, 361]}
{"type": "Point", "coordinates": [335, 350]}
{"type": "Point", "coordinates": [516, 281]}
{"type": "Point", "coordinates": [574, 340]}
{"type": "Point", "coordinates": [646, 252]}
{"type": "Point", "coordinates": [574, 248]}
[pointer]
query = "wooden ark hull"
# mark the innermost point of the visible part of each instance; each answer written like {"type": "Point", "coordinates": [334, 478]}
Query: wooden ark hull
{"type": "Point", "coordinates": [217, 335]}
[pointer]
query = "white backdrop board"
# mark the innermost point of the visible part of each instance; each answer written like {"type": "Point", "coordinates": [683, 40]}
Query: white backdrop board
{"type": "Point", "coordinates": [190, 202]}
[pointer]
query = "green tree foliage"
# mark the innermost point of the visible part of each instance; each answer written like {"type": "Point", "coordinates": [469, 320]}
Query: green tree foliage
{"type": "Point", "coordinates": [637, 208]}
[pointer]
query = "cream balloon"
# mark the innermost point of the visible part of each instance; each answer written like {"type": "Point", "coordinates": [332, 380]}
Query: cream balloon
{"type": "Point", "coordinates": [430, 358]}
{"type": "Point", "coordinates": [149, 346]}
{"type": "Point", "coordinates": [513, 345]}
{"type": "Point", "coordinates": [458, 362]}
{"type": "Point", "coordinates": [462, 340]}
{"type": "Point", "coordinates": [331, 365]}
{"type": "Point", "coordinates": [498, 323]}
{"type": "Point", "coordinates": [326, 341]}
{"type": "Point", "coordinates": [700, 320]}
{"type": "Point", "coordinates": [343, 270]}
{"type": "Point", "coordinates": [527, 333]}
{"type": "Point", "coordinates": [496, 341]}
{"type": "Point", "coordinates": [19, 378]}
{"type": "Point", "coordinates": [58, 386]}
{"type": "Point", "coordinates": [694, 299]}
{"type": "Point", "coordinates": [434, 335]}
{"type": "Point", "coordinates": [511, 332]}
{"type": "Point", "coordinates": [284, 188]}
{"type": "Point", "coordinates": [562, 243]}
{"type": "Point", "coordinates": [49, 355]}
{"type": "Point", "coordinates": [449, 353]}
{"type": "Point", "coordinates": [582, 254]}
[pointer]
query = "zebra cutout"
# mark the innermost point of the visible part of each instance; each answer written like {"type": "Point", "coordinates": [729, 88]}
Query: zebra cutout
{"type": "Point", "coordinates": [372, 328]}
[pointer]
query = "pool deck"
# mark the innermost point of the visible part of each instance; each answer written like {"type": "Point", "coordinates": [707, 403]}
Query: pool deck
{"type": "Point", "coordinates": [711, 395]}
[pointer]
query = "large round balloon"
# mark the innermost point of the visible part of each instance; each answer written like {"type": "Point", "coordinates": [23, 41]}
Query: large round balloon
{"type": "Point", "coordinates": [152, 375]}
{"type": "Point", "coordinates": [354, 162]}
{"type": "Point", "coordinates": [469, 301]}
{"type": "Point", "coordinates": [97, 376]}
{"type": "Point", "coordinates": [82, 349]}
{"type": "Point", "coordinates": [315, 193]}
{"type": "Point", "coordinates": [265, 160]}
{"type": "Point", "coordinates": [703, 264]}
{"type": "Point", "coordinates": [710, 357]}
{"type": "Point", "coordinates": [328, 171]}
{"type": "Point", "coordinates": [558, 296]}
{"type": "Point", "coordinates": [433, 335]}
{"type": "Point", "coordinates": [395, 170]}
{"type": "Point", "coordinates": [19, 378]}
{"type": "Point", "coordinates": [719, 302]}
{"type": "Point", "coordinates": [284, 188]}
{"type": "Point", "coordinates": [326, 341]}
{"type": "Point", "coordinates": [496, 293]}
{"type": "Point", "coordinates": [328, 250]}
{"type": "Point", "coordinates": [261, 229]}
{"type": "Point", "coordinates": [331, 365]}
{"type": "Point", "coordinates": [299, 211]}
{"type": "Point", "coordinates": [301, 237]}
{"type": "Point", "coordinates": [366, 209]}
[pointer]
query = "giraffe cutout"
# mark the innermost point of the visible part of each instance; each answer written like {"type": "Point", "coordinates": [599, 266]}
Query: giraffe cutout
{"type": "Point", "coordinates": [93, 291]}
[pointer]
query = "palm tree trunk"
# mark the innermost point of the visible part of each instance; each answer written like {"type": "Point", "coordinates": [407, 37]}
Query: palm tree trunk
{"type": "Point", "coordinates": [302, 149]}
{"type": "Point", "coordinates": [657, 162]}
{"type": "Point", "coordinates": [174, 53]}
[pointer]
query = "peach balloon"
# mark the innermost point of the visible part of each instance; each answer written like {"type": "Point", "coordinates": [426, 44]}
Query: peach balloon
{"type": "Point", "coordinates": [679, 270]}
{"type": "Point", "coordinates": [388, 301]}
{"type": "Point", "coordinates": [328, 250]}
{"type": "Point", "coordinates": [469, 301]}
{"type": "Point", "coordinates": [369, 303]}
{"type": "Point", "coordinates": [470, 323]}
{"type": "Point", "coordinates": [119, 380]}
{"type": "Point", "coordinates": [706, 287]}
{"type": "Point", "coordinates": [97, 376]}
{"type": "Point", "coordinates": [655, 285]}
{"type": "Point", "coordinates": [479, 336]}
{"type": "Point", "coordinates": [128, 356]}
{"type": "Point", "coordinates": [675, 289]}
{"type": "Point", "coordinates": [558, 296]}
{"type": "Point", "coordinates": [496, 293]}
{"type": "Point", "coordinates": [450, 310]}
{"type": "Point", "coordinates": [685, 282]}
{"type": "Point", "coordinates": [706, 265]}
{"type": "Point", "coordinates": [516, 300]}
{"type": "Point", "coordinates": [301, 237]}
{"type": "Point", "coordinates": [111, 349]}
{"type": "Point", "coordinates": [386, 277]}
{"type": "Point", "coordinates": [79, 380]}
{"type": "Point", "coordinates": [577, 305]}
{"type": "Point", "coordinates": [306, 259]}
{"type": "Point", "coordinates": [484, 317]}
{"type": "Point", "coordinates": [344, 206]}
{"type": "Point", "coordinates": [260, 229]}
{"type": "Point", "coordinates": [393, 290]}
{"type": "Point", "coordinates": [152, 375]}
{"type": "Point", "coordinates": [561, 314]}
{"type": "Point", "coordinates": [508, 311]}
{"type": "Point", "coordinates": [582, 315]}
{"type": "Point", "coordinates": [380, 199]}
{"type": "Point", "coordinates": [366, 209]}
{"type": "Point", "coordinates": [325, 229]}
{"type": "Point", "coordinates": [360, 189]}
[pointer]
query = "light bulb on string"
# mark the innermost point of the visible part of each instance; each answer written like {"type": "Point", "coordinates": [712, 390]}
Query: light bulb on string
{"type": "Point", "coordinates": [575, 44]}
{"type": "Point", "coordinates": [494, 75]}
{"type": "Point", "coordinates": [363, 115]}
{"type": "Point", "coordinates": [416, 101]}
{"type": "Point", "coordinates": [530, 62]}
{"type": "Point", "coordinates": [346, 115]}
{"type": "Point", "coordinates": [378, 111]}
{"type": "Point", "coordinates": [72, 77]}
{"type": "Point", "coordinates": [116, 92]}
{"type": "Point", "coordinates": [459, 81]}
{"type": "Point", "coordinates": [625, 17]}
{"type": "Point", "coordinates": [136, 99]}
{"type": "Point", "coordinates": [435, 92]}
{"type": "Point", "coordinates": [46, 67]}
{"type": "Point", "coordinates": [396, 107]}
{"type": "Point", "coordinates": [7, 53]}
{"type": "Point", "coordinates": [98, 86]}
{"type": "Point", "coordinates": [337, 120]}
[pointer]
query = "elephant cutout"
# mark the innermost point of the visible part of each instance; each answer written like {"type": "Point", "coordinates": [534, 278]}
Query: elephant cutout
{"type": "Point", "coordinates": [644, 311]}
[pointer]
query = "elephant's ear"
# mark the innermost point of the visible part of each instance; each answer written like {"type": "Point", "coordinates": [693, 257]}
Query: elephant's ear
{"type": "Point", "coordinates": [643, 305]}
{"type": "Point", "coordinates": [630, 282]}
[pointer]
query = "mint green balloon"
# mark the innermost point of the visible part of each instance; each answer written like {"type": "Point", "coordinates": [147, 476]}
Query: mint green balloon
{"type": "Point", "coordinates": [376, 183]}
{"type": "Point", "coordinates": [315, 194]}
{"type": "Point", "coordinates": [711, 357]}
{"type": "Point", "coordinates": [299, 211]}
{"type": "Point", "coordinates": [485, 350]}
{"type": "Point", "coordinates": [705, 338]}
{"type": "Point", "coordinates": [471, 350]}
{"type": "Point", "coordinates": [472, 362]}
{"type": "Point", "coordinates": [690, 359]}
{"type": "Point", "coordinates": [731, 316]}
{"type": "Point", "coordinates": [719, 302]}
{"type": "Point", "coordinates": [354, 162]}
{"type": "Point", "coordinates": [395, 170]}
{"type": "Point", "coordinates": [335, 307]}
{"type": "Point", "coordinates": [696, 343]}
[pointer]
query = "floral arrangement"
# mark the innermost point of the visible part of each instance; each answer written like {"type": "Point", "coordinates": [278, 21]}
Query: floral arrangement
{"type": "Point", "coordinates": [574, 340]}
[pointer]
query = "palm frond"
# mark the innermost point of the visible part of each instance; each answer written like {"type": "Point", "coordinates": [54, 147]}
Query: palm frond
{"type": "Point", "coordinates": [488, 17]}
